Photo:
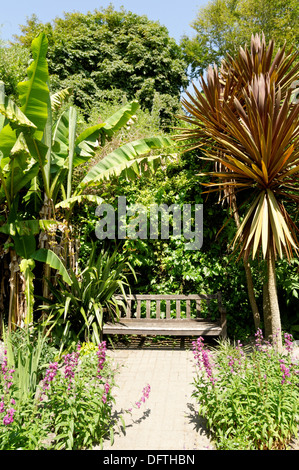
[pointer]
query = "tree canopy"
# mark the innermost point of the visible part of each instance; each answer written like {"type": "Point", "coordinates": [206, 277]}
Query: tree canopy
{"type": "Point", "coordinates": [108, 54]}
{"type": "Point", "coordinates": [13, 63]}
{"type": "Point", "coordinates": [223, 26]}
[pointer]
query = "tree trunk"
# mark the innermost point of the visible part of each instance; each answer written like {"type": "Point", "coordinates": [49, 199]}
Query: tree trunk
{"type": "Point", "coordinates": [45, 242]}
{"type": "Point", "coordinates": [17, 302]}
{"type": "Point", "coordinates": [266, 311]}
{"type": "Point", "coordinates": [251, 294]}
{"type": "Point", "coordinates": [247, 267]}
{"type": "Point", "coordinates": [273, 300]}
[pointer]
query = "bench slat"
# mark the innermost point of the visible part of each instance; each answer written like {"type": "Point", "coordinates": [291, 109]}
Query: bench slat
{"type": "Point", "coordinates": [158, 309]}
{"type": "Point", "coordinates": [148, 309]}
{"type": "Point", "coordinates": [169, 296]}
{"type": "Point", "coordinates": [167, 327]}
{"type": "Point", "coordinates": [168, 309]}
{"type": "Point", "coordinates": [138, 311]}
{"type": "Point", "coordinates": [188, 309]}
{"type": "Point", "coordinates": [128, 310]}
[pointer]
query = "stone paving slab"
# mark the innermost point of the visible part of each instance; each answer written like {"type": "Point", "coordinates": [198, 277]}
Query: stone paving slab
{"type": "Point", "coordinates": [168, 420]}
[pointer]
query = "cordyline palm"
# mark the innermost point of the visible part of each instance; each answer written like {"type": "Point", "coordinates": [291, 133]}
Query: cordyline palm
{"type": "Point", "coordinates": [247, 122]}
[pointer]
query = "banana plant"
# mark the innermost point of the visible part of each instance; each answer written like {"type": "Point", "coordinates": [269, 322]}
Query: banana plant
{"type": "Point", "coordinates": [128, 160]}
{"type": "Point", "coordinates": [23, 157]}
{"type": "Point", "coordinates": [38, 158]}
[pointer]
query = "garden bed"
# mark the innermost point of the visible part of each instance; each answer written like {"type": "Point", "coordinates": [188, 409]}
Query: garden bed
{"type": "Point", "coordinates": [248, 394]}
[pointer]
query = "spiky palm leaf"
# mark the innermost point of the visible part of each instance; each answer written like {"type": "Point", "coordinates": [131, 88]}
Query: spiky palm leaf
{"type": "Point", "coordinates": [247, 123]}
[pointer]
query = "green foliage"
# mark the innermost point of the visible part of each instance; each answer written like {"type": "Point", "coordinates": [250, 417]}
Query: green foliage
{"type": "Point", "coordinates": [249, 396]}
{"type": "Point", "coordinates": [13, 64]}
{"type": "Point", "coordinates": [107, 54]}
{"type": "Point", "coordinates": [83, 306]}
{"type": "Point", "coordinates": [27, 352]}
{"type": "Point", "coordinates": [71, 409]}
{"type": "Point", "coordinates": [165, 266]}
{"type": "Point", "coordinates": [40, 148]}
{"type": "Point", "coordinates": [222, 26]}
{"type": "Point", "coordinates": [81, 414]}
{"type": "Point", "coordinates": [288, 288]}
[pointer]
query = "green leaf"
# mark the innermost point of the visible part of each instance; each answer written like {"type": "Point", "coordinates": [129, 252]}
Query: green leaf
{"type": "Point", "coordinates": [8, 138]}
{"type": "Point", "coordinates": [66, 203]}
{"type": "Point", "coordinates": [25, 245]}
{"type": "Point", "coordinates": [26, 267]}
{"type": "Point", "coordinates": [90, 134]}
{"type": "Point", "coordinates": [49, 257]}
{"type": "Point", "coordinates": [34, 92]}
{"type": "Point", "coordinates": [120, 118]}
{"type": "Point", "coordinates": [20, 180]}
{"type": "Point", "coordinates": [12, 113]}
{"type": "Point", "coordinates": [72, 136]}
{"type": "Point", "coordinates": [124, 158]}
{"type": "Point", "coordinates": [58, 98]}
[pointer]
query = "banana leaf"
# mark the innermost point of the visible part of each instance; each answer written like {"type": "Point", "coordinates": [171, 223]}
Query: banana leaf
{"type": "Point", "coordinates": [125, 157]}
{"type": "Point", "coordinates": [48, 256]}
{"type": "Point", "coordinates": [34, 92]}
{"type": "Point", "coordinates": [12, 113]}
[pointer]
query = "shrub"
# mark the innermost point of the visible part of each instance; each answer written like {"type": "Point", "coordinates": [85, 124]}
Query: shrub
{"type": "Point", "coordinates": [249, 396]}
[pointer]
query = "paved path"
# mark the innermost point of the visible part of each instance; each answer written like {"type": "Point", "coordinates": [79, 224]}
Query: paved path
{"type": "Point", "coordinates": [168, 419]}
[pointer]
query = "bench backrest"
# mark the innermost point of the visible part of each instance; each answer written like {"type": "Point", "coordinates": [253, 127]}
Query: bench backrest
{"type": "Point", "coordinates": [175, 306]}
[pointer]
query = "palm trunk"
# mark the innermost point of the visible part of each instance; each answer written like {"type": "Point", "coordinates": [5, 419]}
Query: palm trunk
{"type": "Point", "coordinates": [273, 300]}
{"type": "Point", "coordinates": [266, 311]}
{"type": "Point", "coordinates": [251, 294]}
{"type": "Point", "coordinates": [247, 267]}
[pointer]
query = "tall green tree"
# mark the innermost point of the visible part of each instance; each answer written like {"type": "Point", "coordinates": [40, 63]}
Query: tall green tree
{"type": "Point", "coordinates": [13, 65]}
{"type": "Point", "coordinates": [109, 54]}
{"type": "Point", "coordinates": [222, 26]}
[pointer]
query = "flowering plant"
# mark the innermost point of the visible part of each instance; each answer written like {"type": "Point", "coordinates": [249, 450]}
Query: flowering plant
{"type": "Point", "coordinates": [77, 400]}
{"type": "Point", "coordinates": [71, 409]}
{"type": "Point", "coordinates": [248, 397]}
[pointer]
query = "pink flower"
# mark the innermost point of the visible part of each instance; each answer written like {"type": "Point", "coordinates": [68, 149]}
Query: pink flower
{"type": "Point", "coordinates": [71, 363]}
{"type": "Point", "coordinates": [258, 338]}
{"type": "Point", "coordinates": [8, 418]}
{"type": "Point", "coordinates": [101, 353]}
{"type": "Point", "coordinates": [288, 339]}
{"type": "Point", "coordinates": [145, 394]}
{"type": "Point", "coordinates": [285, 371]}
{"type": "Point", "coordinates": [50, 375]}
{"type": "Point", "coordinates": [202, 358]}
{"type": "Point", "coordinates": [2, 406]}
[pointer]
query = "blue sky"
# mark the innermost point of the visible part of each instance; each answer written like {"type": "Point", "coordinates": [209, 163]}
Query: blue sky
{"type": "Point", "coordinates": [176, 15]}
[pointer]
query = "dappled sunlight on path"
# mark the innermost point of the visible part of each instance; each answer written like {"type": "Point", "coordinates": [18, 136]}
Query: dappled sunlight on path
{"type": "Point", "coordinates": [168, 418]}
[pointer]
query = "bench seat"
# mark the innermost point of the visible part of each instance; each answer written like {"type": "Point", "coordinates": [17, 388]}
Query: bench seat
{"type": "Point", "coordinates": [133, 322]}
{"type": "Point", "coordinates": [173, 327]}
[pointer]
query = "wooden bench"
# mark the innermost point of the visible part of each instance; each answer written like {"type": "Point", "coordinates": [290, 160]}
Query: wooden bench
{"type": "Point", "coordinates": [181, 315]}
